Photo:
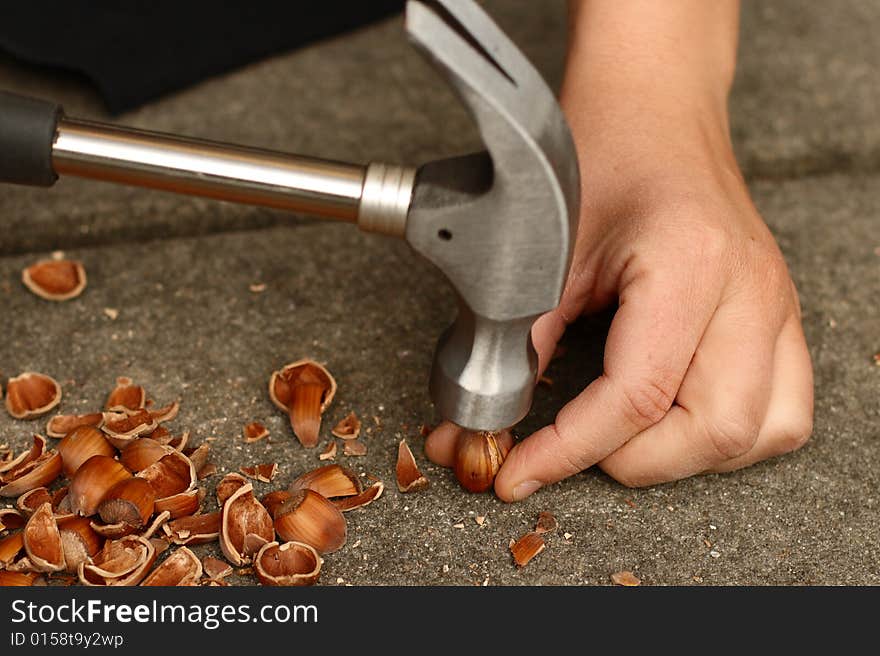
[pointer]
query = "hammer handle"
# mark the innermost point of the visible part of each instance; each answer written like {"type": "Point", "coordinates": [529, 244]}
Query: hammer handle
{"type": "Point", "coordinates": [38, 143]}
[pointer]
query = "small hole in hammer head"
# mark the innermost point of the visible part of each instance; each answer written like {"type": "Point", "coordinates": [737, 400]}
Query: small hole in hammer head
{"type": "Point", "coordinates": [444, 234]}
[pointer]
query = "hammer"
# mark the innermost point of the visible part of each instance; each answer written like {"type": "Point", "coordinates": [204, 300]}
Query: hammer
{"type": "Point", "coordinates": [498, 224]}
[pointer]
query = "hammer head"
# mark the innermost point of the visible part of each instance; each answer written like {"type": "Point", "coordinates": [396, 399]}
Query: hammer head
{"type": "Point", "coordinates": [500, 225]}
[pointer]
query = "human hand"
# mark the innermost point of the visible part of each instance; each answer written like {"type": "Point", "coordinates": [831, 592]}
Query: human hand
{"type": "Point", "coordinates": [706, 367]}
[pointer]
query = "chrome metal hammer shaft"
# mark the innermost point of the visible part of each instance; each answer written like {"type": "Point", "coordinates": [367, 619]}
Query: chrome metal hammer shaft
{"type": "Point", "coordinates": [500, 224]}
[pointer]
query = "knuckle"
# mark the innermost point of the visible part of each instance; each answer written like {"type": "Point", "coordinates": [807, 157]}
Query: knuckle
{"type": "Point", "coordinates": [647, 401]}
{"type": "Point", "coordinates": [795, 434]}
{"type": "Point", "coordinates": [734, 435]}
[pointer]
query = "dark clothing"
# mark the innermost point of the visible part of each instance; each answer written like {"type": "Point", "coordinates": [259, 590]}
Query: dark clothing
{"type": "Point", "coordinates": [138, 51]}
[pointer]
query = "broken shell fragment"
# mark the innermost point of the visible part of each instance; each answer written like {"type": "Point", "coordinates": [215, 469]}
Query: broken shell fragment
{"type": "Point", "coordinates": [228, 486]}
{"type": "Point", "coordinates": [288, 564]}
{"type": "Point", "coordinates": [349, 428]}
{"type": "Point", "coordinates": [254, 432]}
{"type": "Point", "coordinates": [130, 501]}
{"type": "Point", "coordinates": [626, 579]}
{"type": "Point", "coordinates": [198, 456]}
{"type": "Point", "coordinates": [125, 561]}
{"type": "Point", "coordinates": [42, 540]}
{"type": "Point", "coordinates": [303, 390]}
{"type": "Point", "coordinates": [309, 517]}
{"type": "Point", "coordinates": [180, 505]}
{"type": "Point", "coordinates": [215, 568]}
{"type": "Point", "coordinates": [112, 531]}
{"type": "Point", "coordinates": [126, 397]}
{"type": "Point", "coordinates": [10, 546]}
{"type": "Point", "coordinates": [10, 518]}
{"type": "Point", "coordinates": [13, 466]}
{"type": "Point", "coordinates": [365, 498]}
{"type": "Point", "coordinates": [30, 501]}
{"type": "Point", "coordinates": [165, 413]}
{"type": "Point", "coordinates": [546, 523]}
{"type": "Point", "coordinates": [409, 477]}
{"type": "Point", "coordinates": [36, 473]}
{"type": "Point", "coordinates": [243, 516]}
{"type": "Point", "coordinates": [31, 395]}
{"type": "Point", "coordinates": [329, 452]}
{"type": "Point", "coordinates": [79, 541]}
{"type": "Point", "coordinates": [121, 428]}
{"type": "Point", "coordinates": [194, 529]}
{"type": "Point", "coordinates": [527, 547]}
{"type": "Point", "coordinates": [478, 457]}
{"type": "Point", "coordinates": [354, 448]}
{"type": "Point", "coordinates": [264, 473]}
{"type": "Point", "coordinates": [92, 481]}
{"type": "Point", "coordinates": [60, 425]}
{"type": "Point", "coordinates": [180, 568]}
{"type": "Point", "coordinates": [55, 280]}
{"type": "Point", "coordinates": [172, 474]}
{"type": "Point", "coordinates": [329, 481]}
{"type": "Point", "coordinates": [141, 453]}
{"type": "Point", "coordinates": [79, 445]}
{"type": "Point", "coordinates": [17, 579]}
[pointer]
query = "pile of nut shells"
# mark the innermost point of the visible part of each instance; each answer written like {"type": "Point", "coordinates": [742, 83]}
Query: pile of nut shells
{"type": "Point", "coordinates": [119, 489]}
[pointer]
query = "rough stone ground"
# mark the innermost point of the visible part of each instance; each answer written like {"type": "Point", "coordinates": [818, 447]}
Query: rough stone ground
{"type": "Point", "coordinates": [179, 270]}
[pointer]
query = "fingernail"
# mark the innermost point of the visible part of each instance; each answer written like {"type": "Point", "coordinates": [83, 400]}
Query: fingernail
{"type": "Point", "coordinates": [524, 489]}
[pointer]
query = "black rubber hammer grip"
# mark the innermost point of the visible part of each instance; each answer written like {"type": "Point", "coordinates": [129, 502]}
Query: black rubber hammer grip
{"type": "Point", "coordinates": [27, 133]}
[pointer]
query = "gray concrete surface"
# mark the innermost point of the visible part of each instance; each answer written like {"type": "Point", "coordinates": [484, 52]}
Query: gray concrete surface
{"type": "Point", "coordinates": [179, 270]}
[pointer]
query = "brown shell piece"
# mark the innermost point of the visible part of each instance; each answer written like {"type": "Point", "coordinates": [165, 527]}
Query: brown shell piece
{"type": "Point", "coordinates": [254, 432]}
{"type": "Point", "coordinates": [17, 579]}
{"type": "Point", "coordinates": [55, 280]}
{"type": "Point", "coordinates": [303, 389]}
{"type": "Point", "coordinates": [10, 546]}
{"type": "Point", "coordinates": [92, 481]}
{"type": "Point", "coordinates": [121, 562]}
{"type": "Point", "coordinates": [42, 540]}
{"type": "Point", "coordinates": [354, 448]}
{"type": "Point", "coordinates": [546, 523]}
{"type": "Point", "coordinates": [79, 445]}
{"type": "Point", "coordinates": [172, 474]}
{"type": "Point", "coordinates": [273, 500]}
{"type": "Point", "coordinates": [626, 579]}
{"type": "Point", "coordinates": [121, 428]}
{"type": "Point", "coordinates": [264, 472]}
{"type": "Point", "coordinates": [215, 568]}
{"type": "Point", "coordinates": [288, 564]}
{"type": "Point", "coordinates": [198, 456]}
{"type": "Point", "coordinates": [130, 501]}
{"type": "Point", "coordinates": [365, 498]}
{"type": "Point", "coordinates": [126, 397]}
{"type": "Point", "coordinates": [166, 413]}
{"type": "Point", "coordinates": [348, 428]}
{"type": "Point", "coordinates": [34, 474]}
{"type": "Point", "coordinates": [10, 518]}
{"type": "Point", "coordinates": [60, 425]}
{"type": "Point", "coordinates": [194, 529]}
{"type": "Point", "coordinates": [526, 548]}
{"type": "Point", "coordinates": [142, 452]}
{"type": "Point", "coordinates": [180, 568]}
{"type": "Point", "coordinates": [409, 477]}
{"type": "Point", "coordinates": [79, 541]}
{"type": "Point", "coordinates": [243, 516]}
{"type": "Point", "coordinates": [13, 466]}
{"type": "Point", "coordinates": [112, 531]}
{"type": "Point", "coordinates": [329, 453]}
{"type": "Point", "coordinates": [31, 395]}
{"type": "Point", "coordinates": [180, 505]}
{"type": "Point", "coordinates": [228, 485]}
{"type": "Point", "coordinates": [28, 502]}
{"type": "Point", "coordinates": [309, 517]}
{"type": "Point", "coordinates": [329, 481]}
{"type": "Point", "coordinates": [478, 457]}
